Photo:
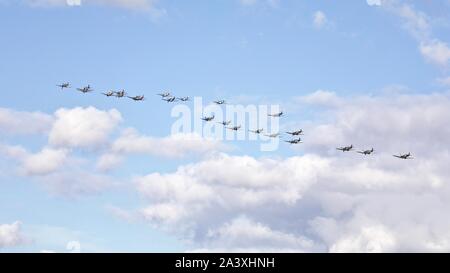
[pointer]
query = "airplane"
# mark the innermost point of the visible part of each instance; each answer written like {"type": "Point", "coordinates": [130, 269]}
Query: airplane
{"type": "Point", "coordinates": [120, 94]}
{"type": "Point", "coordinates": [109, 93]}
{"type": "Point", "coordinates": [294, 141]}
{"type": "Point", "coordinates": [366, 152]}
{"type": "Point", "coordinates": [220, 102]}
{"type": "Point", "coordinates": [273, 135]}
{"type": "Point", "coordinates": [345, 149]}
{"type": "Point", "coordinates": [296, 133]}
{"type": "Point", "coordinates": [405, 156]}
{"type": "Point", "coordinates": [225, 123]}
{"type": "Point", "coordinates": [258, 131]}
{"type": "Point", "coordinates": [183, 99]}
{"type": "Point", "coordinates": [276, 115]}
{"type": "Point", "coordinates": [234, 128]}
{"type": "Point", "coordinates": [137, 98]}
{"type": "Point", "coordinates": [169, 99]}
{"type": "Point", "coordinates": [164, 95]}
{"type": "Point", "coordinates": [208, 118]}
{"type": "Point", "coordinates": [64, 85]}
{"type": "Point", "coordinates": [85, 89]}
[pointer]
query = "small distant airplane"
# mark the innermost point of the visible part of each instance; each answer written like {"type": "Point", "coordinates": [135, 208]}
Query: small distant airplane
{"type": "Point", "coordinates": [276, 115]}
{"type": "Point", "coordinates": [234, 128]}
{"type": "Point", "coordinates": [296, 133]}
{"type": "Point", "coordinates": [208, 118]}
{"type": "Point", "coordinates": [295, 141]}
{"type": "Point", "coordinates": [164, 95]}
{"type": "Point", "coordinates": [346, 148]}
{"type": "Point", "coordinates": [225, 123]}
{"type": "Point", "coordinates": [120, 94]}
{"type": "Point", "coordinates": [273, 135]}
{"type": "Point", "coordinates": [64, 85]}
{"type": "Point", "coordinates": [137, 98]}
{"type": "Point", "coordinates": [109, 93]}
{"type": "Point", "coordinates": [366, 152]}
{"type": "Point", "coordinates": [404, 156]}
{"type": "Point", "coordinates": [220, 102]}
{"type": "Point", "coordinates": [258, 131]}
{"type": "Point", "coordinates": [183, 99]}
{"type": "Point", "coordinates": [169, 99]}
{"type": "Point", "coordinates": [85, 89]}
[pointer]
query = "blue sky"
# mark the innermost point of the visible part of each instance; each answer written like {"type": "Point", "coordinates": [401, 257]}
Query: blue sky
{"type": "Point", "coordinates": [390, 55]}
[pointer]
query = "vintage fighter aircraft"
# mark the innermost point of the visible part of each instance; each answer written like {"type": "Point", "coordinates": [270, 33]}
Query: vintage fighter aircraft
{"type": "Point", "coordinates": [183, 99]}
{"type": "Point", "coordinates": [137, 98]}
{"type": "Point", "coordinates": [294, 141]}
{"type": "Point", "coordinates": [220, 102]}
{"type": "Point", "coordinates": [120, 94]}
{"type": "Point", "coordinates": [346, 148]}
{"type": "Point", "coordinates": [85, 89]}
{"type": "Point", "coordinates": [296, 133]}
{"type": "Point", "coordinates": [64, 85]}
{"type": "Point", "coordinates": [208, 118]}
{"type": "Point", "coordinates": [258, 131]}
{"type": "Point", "coordinates": [273, 135]}
{"type": "Point", "coordinates": [164, 95]}
{"type": "Point", "coordinates": [404, 156]}
{"type": "Point", "coordinates": [234, 128]}
{"type": "Point", "coordinates": [276, 115]}
{"type": "Point", "coordinates": [169, 99]}
{"type": "Point", "coordinates": [366, 152]}
{"type": "Point", "coordinates": [109, 93]}
{"type": "Point", "coordinates": [224, 123]}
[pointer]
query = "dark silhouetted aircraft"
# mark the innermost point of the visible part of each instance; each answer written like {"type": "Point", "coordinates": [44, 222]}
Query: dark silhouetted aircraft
{"type": "Point", "coordinates": [137, 98]}
{"type": "Point", "coordinates": [296, 133]}
{"type": "Point", "coordinates": [183, 99]}
{"type": "Point", "coordinates": [219, 102]}
{"type": "Point", "coordinates": [294, 141]}
{"type": "Point", "coordinates": [345, 149]}
{"type": "Point", "coordinates": [85, 89]}
{"type": "Point", "coordinates": [404, 156]}
{"type": "Point", "coordinates": [164, 95]}
{"type": "Point", "coordinates": [234, 128]}
{"type": "Point", "coordinates": [208, 118]}
{"type": "Point", "coordinates": [225, 123]}
{"type": "Point", "coordinates": [64, 85]}
{"type": "Point", "coordinates": [109, 93]}
{"type": "Point", "coordinates": [276, 115]}
{"type": "Point", "coordinates": [258, 131]}
{"type": "Point", "coordinates": [366, 152]}
{"type": "Point", "coordinates": [169, 99]}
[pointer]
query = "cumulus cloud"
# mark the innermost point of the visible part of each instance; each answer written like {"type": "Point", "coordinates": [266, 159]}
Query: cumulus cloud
{"type": "Point", "coordinates": [23, 123]}
{"type": "Point", "coordinates": [83, 127]}
{"type": "Point", "coordinates": [418, 24]}
{"type": "Point", "coordinates": [436, 52]}
{"type": "Point", "coordinates": [11, 235]}
{"type": "Point", "coordinates": [322, 200]}
{"type": "Point", "coordinates": [319, 19]}
{"type": "Point", "coordinates": [173, 146]}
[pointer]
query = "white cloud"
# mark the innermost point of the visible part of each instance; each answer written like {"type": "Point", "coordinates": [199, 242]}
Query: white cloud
{"type": "Point", "coordinates": [23, 123]}
{"type": "Point", "coordinates": [174, 146]}
{"type": "Point", "coordinates": [322, 200]}
{"type": "Point", "coordinates": [418, 24]}
{"type": "Point", "coordinates": [11, 235]}
{"type": "Point", "coordinates": [83, 127]}
{"type": "Point", "coordinates": [319, 19]}
{"type": "Point", "coordinates": [45, 162]}
{"type": "Point", "coordinates": [374, 2]}
{"type": "Point", "coordinates": [436, 52]}
{"type": "Point", "coordinates": [321, 98]}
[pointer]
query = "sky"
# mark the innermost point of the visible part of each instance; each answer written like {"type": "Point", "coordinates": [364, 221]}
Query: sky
{"type": "Point", "coordinates": [90, 173]}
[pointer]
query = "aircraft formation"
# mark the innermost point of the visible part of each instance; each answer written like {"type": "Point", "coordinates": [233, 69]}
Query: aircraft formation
{"type": "Point", "coordinates": [169, 98]}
